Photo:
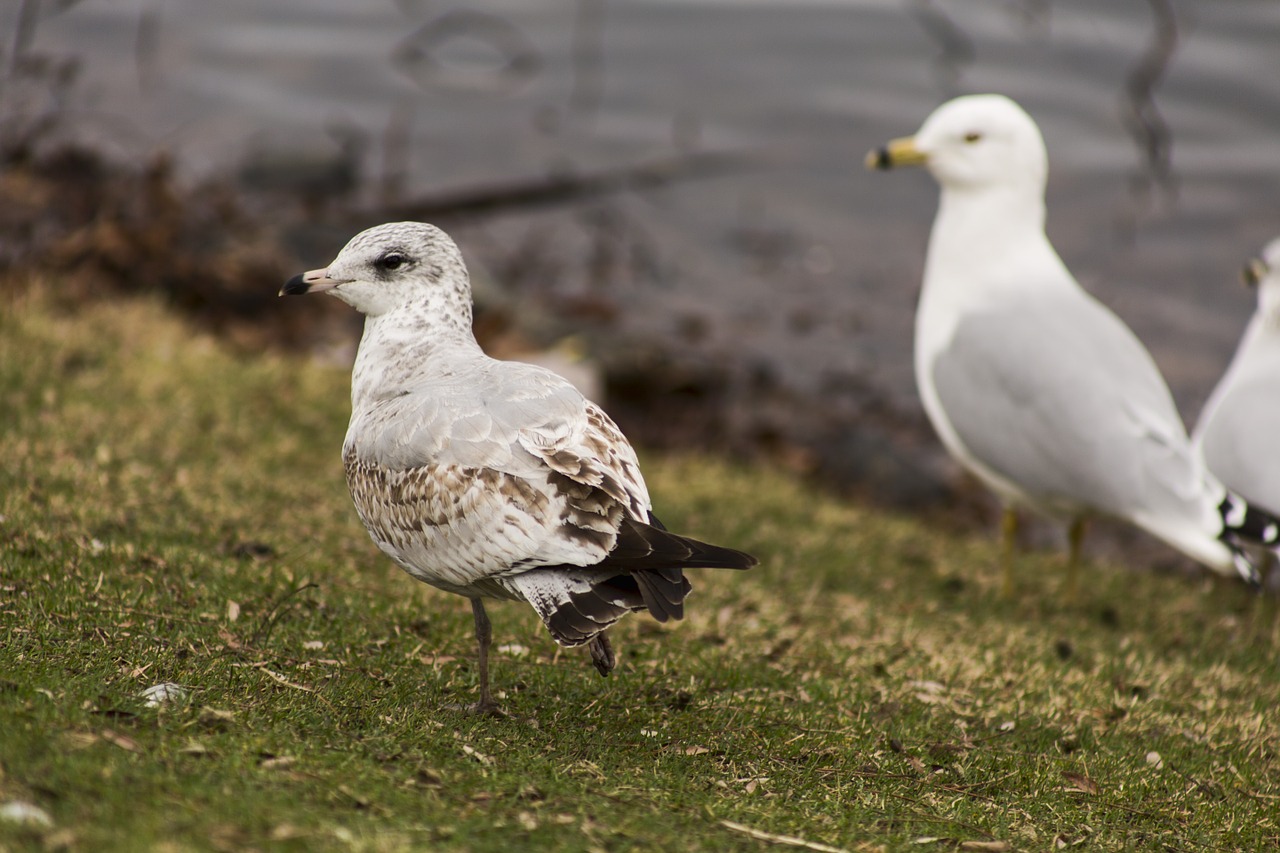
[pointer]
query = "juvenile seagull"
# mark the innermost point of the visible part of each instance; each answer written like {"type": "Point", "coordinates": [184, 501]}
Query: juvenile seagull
{"type": "Point", "coordinates": [486, 478]}
{"type": "Point", "coordinates": [1238, 433]}
{"type": "Point", "coordinates": [1030, 382]}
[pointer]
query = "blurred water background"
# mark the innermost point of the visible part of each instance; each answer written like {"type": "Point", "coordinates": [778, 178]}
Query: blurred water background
{"type": "Point", "coordinates": [750, 256]}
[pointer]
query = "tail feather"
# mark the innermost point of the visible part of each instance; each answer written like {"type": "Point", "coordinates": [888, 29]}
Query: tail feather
{"type": "Point", "coordinates": [586, 608]}
{"type": "Point", "coordinates": [644, 571]}
{"type": "Point", "coordinates": [664, 592]}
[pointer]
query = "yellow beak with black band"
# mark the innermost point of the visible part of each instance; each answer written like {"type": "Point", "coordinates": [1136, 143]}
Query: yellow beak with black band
{"type": "Point", "coordinates": [896, 153]}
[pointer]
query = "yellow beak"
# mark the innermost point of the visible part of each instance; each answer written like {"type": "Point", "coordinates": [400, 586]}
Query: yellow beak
{"type": "Point", "coordinates": [895, 153]}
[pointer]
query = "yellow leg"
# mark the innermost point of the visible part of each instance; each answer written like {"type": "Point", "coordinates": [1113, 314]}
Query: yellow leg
{"type": "Point", "coordinates": [1075, 539]}
{"type": "Point", "coordinates": [1008, 539]}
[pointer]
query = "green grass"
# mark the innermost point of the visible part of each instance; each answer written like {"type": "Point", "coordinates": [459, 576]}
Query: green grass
{"type": "Point", "coordinates": [176, 513]}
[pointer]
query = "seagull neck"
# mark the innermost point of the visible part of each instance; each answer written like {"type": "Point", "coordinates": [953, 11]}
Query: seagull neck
{"type": "Point", "coordinates": [982, 226]}
{"type": "Point", "coordinates": [398, 351]}
{"type": "Point", "coordinates": [995, 210]}
{"type": "Point", "coordinates": [1269, 307]}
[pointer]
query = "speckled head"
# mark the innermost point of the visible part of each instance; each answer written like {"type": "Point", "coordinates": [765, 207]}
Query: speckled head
{"type": "Point", "coordinates": [399, 265]}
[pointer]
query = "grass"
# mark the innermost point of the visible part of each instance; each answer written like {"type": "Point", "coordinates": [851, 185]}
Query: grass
{"type": "Point", "coordinates": [171, 512]}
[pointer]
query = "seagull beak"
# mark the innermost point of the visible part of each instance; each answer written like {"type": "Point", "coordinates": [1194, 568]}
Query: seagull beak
{"type": "Point", "coordinates": [1254, 272]}
{"type": "Point", "coordinates": [313, 281]}
{"type": "Point", "coordinates": [895, 153]}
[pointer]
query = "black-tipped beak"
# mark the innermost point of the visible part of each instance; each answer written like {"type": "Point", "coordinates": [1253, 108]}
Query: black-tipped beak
{"type": "Point", "coordinates": [295, 286]}
{"type": "Point", "coordinates": [312, 281]}
{"type": "Point", "coordinates": [1254, 272]}
{"type": "Point", "coordinates": [895, 153]}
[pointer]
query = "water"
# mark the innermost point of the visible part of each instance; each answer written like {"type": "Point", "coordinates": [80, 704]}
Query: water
{"type": "Point", "coordinates": [804, 270]}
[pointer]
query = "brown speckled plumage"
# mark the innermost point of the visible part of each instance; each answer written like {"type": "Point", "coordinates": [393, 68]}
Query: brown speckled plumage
{"type": "Point", "coordinates": [492, 479]}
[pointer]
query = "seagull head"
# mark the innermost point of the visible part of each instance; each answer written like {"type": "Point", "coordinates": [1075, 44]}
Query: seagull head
{"type": "Point", "coordinates": [391, 266]}
{"type": "Point", "coordinates": [975, 141]}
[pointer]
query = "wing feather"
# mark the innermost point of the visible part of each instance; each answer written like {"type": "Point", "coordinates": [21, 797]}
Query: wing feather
{"type": "Point", "coordinates": [504, 480]}
{"type": "Point", "coordinates": [1059, 398]}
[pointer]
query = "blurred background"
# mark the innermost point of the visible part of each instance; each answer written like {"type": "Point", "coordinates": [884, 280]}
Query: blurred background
{"type": "Point", "coordinates": [667, 198]}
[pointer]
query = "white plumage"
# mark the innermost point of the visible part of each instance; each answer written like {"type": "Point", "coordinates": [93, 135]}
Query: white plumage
{"type": "Point", "coordinates": [1239, 428]}
{"type": "Point", "coordinates": [488, 478]}
{"type": "Point", "coordinates": [1031, 383]}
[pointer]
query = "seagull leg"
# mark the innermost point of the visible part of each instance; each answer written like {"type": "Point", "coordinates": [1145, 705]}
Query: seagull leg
{"type": "Point", "coordinates": [1008, 539]}
{"type": "Point", "coordinates": [1075, 539]}
{"type": "Point", "coordinates": [484, 634]}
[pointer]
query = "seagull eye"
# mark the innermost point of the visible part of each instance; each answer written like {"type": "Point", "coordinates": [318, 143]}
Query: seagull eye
{"type": "Point", "coordinates": [391, 261]}
{"type": "Point", "coordinates": [972, 136]}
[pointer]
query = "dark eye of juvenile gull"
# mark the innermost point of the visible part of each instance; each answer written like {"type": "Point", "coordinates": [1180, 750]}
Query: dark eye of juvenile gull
{"type": "Point", "coordinates": [391, 261]}
{"type": "Point", "coordinates": [972, 136]}
{"type": "Point", "coordinates": [511, 486]}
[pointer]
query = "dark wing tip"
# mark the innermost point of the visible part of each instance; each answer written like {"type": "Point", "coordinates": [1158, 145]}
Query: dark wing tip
{"type": "Point", "coordinates": [718, 557]}
{"type": "Point", "coordinates": [732, 558]}
{"type": "Point", "coordinates": [648, 546]}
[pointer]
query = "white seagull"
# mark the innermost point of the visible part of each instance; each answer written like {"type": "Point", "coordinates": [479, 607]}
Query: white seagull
{"type": "Point", "coordinates": [1239, 427]}
{"type": "Point", "coordinates": [1031, 383]}
{"type": "Point", "coordinates": [486, 478]}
